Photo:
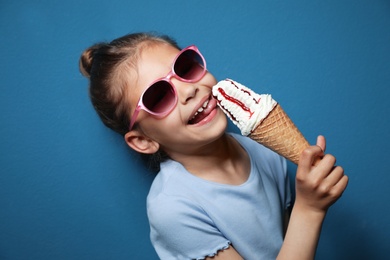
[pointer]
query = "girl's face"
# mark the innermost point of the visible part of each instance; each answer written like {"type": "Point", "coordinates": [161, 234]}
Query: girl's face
{"type": "Point", "coordinates": [178, 132]}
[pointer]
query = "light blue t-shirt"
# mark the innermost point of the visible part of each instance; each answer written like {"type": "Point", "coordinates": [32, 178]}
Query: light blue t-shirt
{"type": "Point", "coordinates": [191, 218]}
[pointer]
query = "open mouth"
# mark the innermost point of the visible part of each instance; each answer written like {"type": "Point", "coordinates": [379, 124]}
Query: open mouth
{"type": "Point", "coordinates": [201, 113]}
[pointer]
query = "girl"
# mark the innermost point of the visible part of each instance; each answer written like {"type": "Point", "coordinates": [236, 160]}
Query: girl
{"type": "Point", "coordinates": [217, 195]}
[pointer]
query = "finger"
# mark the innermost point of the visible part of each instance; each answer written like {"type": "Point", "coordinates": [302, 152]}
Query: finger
{"type": "Point", "coordinates": [321, 142]}
{"type": "Point", "coordinates": [336, 181]}
{"type": "Point", "coordinates": [326, 165]}
{"type": "Point", "coordinates": [335, 176]}
{"type": "Point", "coordinates": [308, 157]}
{"type": "Point", "coordinates": [340, 186]}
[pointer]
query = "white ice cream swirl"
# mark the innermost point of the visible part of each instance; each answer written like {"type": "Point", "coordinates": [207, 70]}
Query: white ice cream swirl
{"type": "Point", "coordinates": [244, 107]}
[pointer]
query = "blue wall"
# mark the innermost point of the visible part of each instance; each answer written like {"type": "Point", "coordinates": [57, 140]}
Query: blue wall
{"type": "Point", "coordinates": [70, 188]}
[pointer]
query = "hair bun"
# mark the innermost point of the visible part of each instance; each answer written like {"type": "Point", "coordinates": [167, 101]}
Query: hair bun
{"type": "Point", "coordinates": [86, 59]}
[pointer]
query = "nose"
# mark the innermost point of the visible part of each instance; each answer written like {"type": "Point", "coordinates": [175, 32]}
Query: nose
{"type": "Point", "coordinates": [185, 91]}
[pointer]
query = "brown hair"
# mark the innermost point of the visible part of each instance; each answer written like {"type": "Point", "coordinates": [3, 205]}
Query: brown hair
{"type": "Point", "coordinates": [104, 64]}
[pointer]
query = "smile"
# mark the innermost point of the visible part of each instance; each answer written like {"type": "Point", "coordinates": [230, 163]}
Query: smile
{"type": "Point", "coordinates": [203, 112]}
{"type": "Point", "coordinates": [200, 110]}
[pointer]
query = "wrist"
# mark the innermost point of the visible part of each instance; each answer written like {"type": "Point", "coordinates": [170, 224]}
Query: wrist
{"type": "Point", "coordinates": [303, 232]}
{"type": "Point", "coordinates": [309, 212]}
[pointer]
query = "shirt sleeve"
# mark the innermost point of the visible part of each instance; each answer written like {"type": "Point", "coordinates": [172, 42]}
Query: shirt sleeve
{"type": "Point", "coordinates": [180, 229]}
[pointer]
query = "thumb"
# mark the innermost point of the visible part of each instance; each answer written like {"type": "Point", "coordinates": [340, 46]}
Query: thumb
{"type": "Point", "coordinates": [321, 142]}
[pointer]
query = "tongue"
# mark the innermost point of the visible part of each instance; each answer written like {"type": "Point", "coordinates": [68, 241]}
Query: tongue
{"type": "Point", "coordinates": [199, 117]}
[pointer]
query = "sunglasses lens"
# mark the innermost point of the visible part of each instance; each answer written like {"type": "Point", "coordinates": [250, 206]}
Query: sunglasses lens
{"type": "Point", "coordinates": [159, 98]}
{"type": "Point", "coordinates": [189, 65]}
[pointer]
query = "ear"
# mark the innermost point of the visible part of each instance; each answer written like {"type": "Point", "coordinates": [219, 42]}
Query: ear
{"type": "Point", "coordinates": [141, 143]}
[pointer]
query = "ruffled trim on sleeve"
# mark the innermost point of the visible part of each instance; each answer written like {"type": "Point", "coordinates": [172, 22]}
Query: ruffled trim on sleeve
{"type": "Point", "coordinates": [216, 250]}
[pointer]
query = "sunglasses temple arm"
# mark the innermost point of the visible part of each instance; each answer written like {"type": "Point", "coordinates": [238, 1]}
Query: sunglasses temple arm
{"type": "Point", "coordinates": [134, 117]}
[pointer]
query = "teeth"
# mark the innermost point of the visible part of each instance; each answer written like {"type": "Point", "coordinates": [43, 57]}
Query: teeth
{"type": "Point", "coordinates": [200, 110]}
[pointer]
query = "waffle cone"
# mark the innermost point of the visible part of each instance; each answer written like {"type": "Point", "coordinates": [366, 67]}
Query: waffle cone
{"type": "Point", "coordinates": [278, 133]}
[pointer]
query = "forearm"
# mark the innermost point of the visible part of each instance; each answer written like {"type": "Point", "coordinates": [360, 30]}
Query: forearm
{"type": "Point", "coordinates": [302, 234]}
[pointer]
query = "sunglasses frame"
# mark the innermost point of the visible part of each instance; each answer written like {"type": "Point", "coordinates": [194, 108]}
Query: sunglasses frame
{"type": "Point", "coordinates": [140, 105]}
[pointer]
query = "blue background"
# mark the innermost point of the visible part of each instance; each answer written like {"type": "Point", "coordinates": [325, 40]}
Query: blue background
{"type": "Point", "coordinates": [71, 189]}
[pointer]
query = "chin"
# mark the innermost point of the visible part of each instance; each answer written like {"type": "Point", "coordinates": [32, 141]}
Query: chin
{"type": "Point", "coordinates": [221, 125]}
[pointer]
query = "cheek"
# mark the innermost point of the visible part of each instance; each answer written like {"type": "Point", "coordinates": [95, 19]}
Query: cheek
{"type": "Point", "coordinates": [209, 80]}
{"type": "Point", "coordinates": [160, 130]}
{"type": "Point", "coordinates": [155, 127]}
{"type": "Point", "coordinates": [223, 120]}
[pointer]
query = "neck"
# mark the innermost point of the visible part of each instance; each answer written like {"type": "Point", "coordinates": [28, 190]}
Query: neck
{"type": "Point", "coordinates": [223, 161]}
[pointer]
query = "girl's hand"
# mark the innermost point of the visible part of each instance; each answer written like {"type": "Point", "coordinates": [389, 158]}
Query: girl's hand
{"type": "Point", "coordinates": [319, 183]}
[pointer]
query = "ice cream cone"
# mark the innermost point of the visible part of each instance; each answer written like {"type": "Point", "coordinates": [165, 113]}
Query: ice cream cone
{"type": "Point", "coordinates": [261, 118]}
{"type": "Point", "coordinates": [279, 133]}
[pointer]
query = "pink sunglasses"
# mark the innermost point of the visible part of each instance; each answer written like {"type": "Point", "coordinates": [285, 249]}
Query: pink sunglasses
{"type": "Point", "coordinates": [160, 97]}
